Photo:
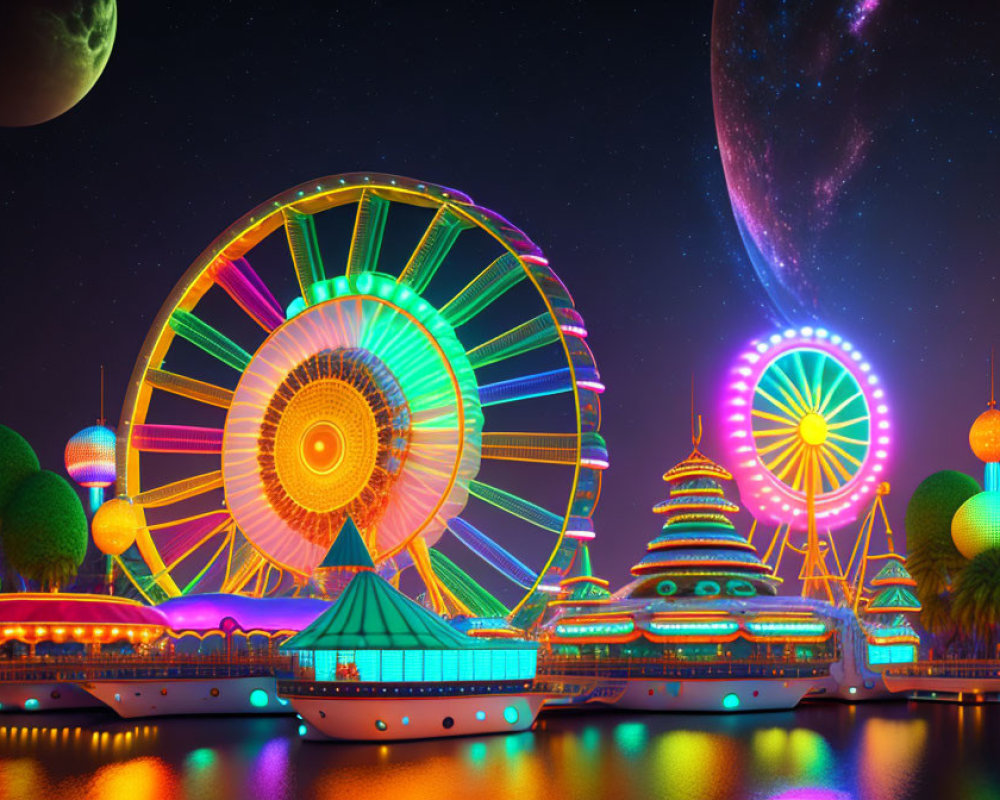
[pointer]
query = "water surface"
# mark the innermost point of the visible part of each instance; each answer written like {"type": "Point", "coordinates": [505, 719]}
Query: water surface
{"type": "Point", "coordinates": [891, 751]}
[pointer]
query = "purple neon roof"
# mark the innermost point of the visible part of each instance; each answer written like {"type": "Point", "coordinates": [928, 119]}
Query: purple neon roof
{"type": "Point", "coordinates": [205, 612]}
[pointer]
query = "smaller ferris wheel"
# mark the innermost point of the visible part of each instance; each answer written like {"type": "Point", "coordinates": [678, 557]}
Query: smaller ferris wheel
{"type": "Point", "coordinates": [809, 435]}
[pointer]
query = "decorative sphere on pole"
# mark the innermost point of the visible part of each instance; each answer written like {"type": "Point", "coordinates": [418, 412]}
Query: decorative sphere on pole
{"type": "Point", "coordinates": [90, 461]}
{"type": "Point", "coordinates": [114, 526]}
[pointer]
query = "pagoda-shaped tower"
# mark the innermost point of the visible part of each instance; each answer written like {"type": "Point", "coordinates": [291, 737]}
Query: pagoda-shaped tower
{"type": "Point", "coordinates": [699, 552]}
{"type": "Point", "coordinates": [891, 638]}
{"type": "Point", "coordinates": [582, 587]}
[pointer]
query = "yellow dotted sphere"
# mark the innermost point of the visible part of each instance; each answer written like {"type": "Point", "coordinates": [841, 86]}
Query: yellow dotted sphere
{"type": "Point", "coordinates": [984, 436]}
{"type": "Point", "coordinates": [114, 526]}
{"type": "Point", "coordinates": [975, 527]}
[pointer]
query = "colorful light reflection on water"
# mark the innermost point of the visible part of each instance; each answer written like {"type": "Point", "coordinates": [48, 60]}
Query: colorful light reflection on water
{"type": "Point", "coordinates": [820, 752]}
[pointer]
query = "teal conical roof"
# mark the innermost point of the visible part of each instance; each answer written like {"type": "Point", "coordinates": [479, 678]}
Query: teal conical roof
{"type": "Point", "coordinates": [348, 550]}
{"type": "Point", "coordinates": [581, 585]}
{"type": "Point", "coordinates": [893, 574]}
{"type": "Point", "coordinates": [893, 599]}
{"type": "Point", "coordinates": [372, 615]}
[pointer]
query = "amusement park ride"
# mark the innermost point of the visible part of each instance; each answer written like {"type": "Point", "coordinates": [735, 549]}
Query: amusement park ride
{"type": "Point", "coordinates": [372, 393]}
{"type": "Point", "coordinates": [809, 437]}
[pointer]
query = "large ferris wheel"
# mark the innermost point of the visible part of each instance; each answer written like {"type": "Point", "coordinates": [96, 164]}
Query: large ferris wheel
{"type": "Point", "coordinates": [809, 434]}
{"type": "Point", "coordinates": [388, 387]}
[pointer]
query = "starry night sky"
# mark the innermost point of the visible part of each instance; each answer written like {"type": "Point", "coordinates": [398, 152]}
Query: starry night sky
{"type": "Point", "coordinates": [591, 127]}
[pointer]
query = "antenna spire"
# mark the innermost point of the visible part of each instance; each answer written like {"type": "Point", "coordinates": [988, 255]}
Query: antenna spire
{"type": "Point", "coordinates": [992, 373]}
{"type": "Point", "coordinates": [101, 420]}
{"type": "Point", "coordinates": [695, 432]}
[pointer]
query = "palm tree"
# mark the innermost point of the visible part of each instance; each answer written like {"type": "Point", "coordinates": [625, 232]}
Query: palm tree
{"type": "Point", "coordinates": [977, 601]}
{"type": "Point", "coordinates": [933, 560]}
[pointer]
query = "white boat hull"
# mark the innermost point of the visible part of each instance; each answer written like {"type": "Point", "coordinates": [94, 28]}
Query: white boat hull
{"type": "Point", "coordinates": [751, 694]}
{"type": "Point", "coordinates": [356, 719]}
{"type": "Point", "coordinates": [51, 696]}
{"type": "Point", "coordinates": [168, 697]}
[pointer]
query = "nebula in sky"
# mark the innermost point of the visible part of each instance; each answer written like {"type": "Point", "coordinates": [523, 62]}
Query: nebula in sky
{"type": "Point", "coordinates": [796, 113]}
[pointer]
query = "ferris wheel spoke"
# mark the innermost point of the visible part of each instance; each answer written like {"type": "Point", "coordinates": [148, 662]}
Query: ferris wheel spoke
{"type": "Point", "coordinates": [179, 490]}
{"type": "Point", "coordinates": [304, 247]}
{"type": "Point", "coordinates": [788, 440]}
{"type": "Point", "coordinates": [818, 369]}
{"type": "Point", "coordinates": [799, 473]}
{"type": "Point", "coordinates": [489, 285]}
{"type": "Point", "coordinates": [791, 416]}
{"type": "Point", "coordinates": [848, 440]}
{"type": "Point", "coordinates": [243, 284]}
{"type": "Point", "coordinates": [464, 589]}
{"type": "Point", "coordinates": [417, 548]}
{"type": "Point", "coordinates": [543, 448]}
{"type": "Point", "coordinates": [843, 453]}
{"type": "Point", "coordinates": [197, 546]}
{"type": "Point", "coordinates": [845, 476]}
{"type": "Point", "coordinates": [434, 245]}
{"type": "Point", "coordinates": [836, 426]}
{"type": "Point", "coordinates": [772, 432]}
{"type": "Point", "coordinates": [190, 388]}
{"type": "Point", "coordinates": [206, 338]}
{"type": "Point", "coordinates": [369, 227]}
{"type": "Point", "coordinates": [785, 421]}
{"type": "Point", "coordinates": [789, 452]}
{"type": "Point", "coordinates": [803, 380]}
{"type": "Point", "coordinates": [517, 506]}
{"type": "Point", "coordinates": [798, 402]}
{"type": "Point", "coordinates": [841, 376]}
{"type": "Point", "coordinates": [538, 385]}
{"type": "Point", "coordinates": [832, 415]}
{"type": "Point", "coordinates": [176, 439]}
{"type": "Point", "coordinates": [244, 567]}
{"type": "Point", "coordinates": [526, 337]}
{"type": "Point", "coordinates": [492, 553]}
{"type": "Point", "coordinates": [827, 470]}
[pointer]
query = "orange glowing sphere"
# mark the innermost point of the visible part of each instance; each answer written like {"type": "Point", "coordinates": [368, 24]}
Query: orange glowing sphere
{"type": "Point", "coordinates": [322, 447]}
{"type": "Point", "coordinates": [984, 436]}
{"type": "Point", "coordinates": [114, 526]}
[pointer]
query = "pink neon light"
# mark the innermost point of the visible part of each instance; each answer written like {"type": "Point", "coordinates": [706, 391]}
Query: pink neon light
{"type": "Point", "coordinates": [176, 439]}
{"type": "Point", "coordinates": [762, 493]}
{"type": "Point", "coordinates": [244, 285]}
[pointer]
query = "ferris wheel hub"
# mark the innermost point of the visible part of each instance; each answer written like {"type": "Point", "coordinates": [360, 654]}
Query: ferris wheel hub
{"type": "Point", "coordinates": [813, 429]}
{"type": "Point", "coordinates": [322, 447]}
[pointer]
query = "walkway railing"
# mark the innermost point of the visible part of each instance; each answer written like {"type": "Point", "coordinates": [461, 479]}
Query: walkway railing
{"type": "Point", "coordinates": [971, 669]}
{"type": "Point", "coordinates": [616, 668]}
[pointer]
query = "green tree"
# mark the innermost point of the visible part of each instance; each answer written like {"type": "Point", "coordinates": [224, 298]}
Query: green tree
{"type": "Point", "coordinates": [933, 560]}
{"type": "Point", "coordinates": [45, 530]}
{"type": "Point", "coordinates": [976, 606]}
{"type": "Point", "coordinates": [17, 462]}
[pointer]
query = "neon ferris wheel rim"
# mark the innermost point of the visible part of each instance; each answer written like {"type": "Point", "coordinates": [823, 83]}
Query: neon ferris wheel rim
{"type": "Point", "coordinates": [222, 264]}
{"type": "Point", "coordinates": [850, 471]}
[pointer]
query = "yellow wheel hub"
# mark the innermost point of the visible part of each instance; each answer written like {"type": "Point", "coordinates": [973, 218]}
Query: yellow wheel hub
{"type": "Point", "coordinates": [813, 429]}
{"type": "Point", "coordinates": [325, 445]}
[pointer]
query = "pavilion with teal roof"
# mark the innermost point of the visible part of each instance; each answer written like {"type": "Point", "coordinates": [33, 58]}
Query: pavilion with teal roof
{"type": "Point", "coordinates": [891, 638]}
{"type": "Point", "coordinates": [374, 633]}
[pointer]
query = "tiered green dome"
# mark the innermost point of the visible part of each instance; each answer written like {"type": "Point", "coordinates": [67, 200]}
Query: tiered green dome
{"type": "Point", "coordinates": [699, 551]}
{"type": "Point", "coordinates": [884, 619]}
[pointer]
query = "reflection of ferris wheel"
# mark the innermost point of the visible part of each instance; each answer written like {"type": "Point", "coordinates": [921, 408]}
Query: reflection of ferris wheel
{"type": "Point", "coordinates": [809, 433]}
{"type": "Point", "coordinates": [368, 397]}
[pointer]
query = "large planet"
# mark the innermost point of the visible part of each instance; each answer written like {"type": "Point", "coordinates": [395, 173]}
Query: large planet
{"type": "Point", "coordinates": [51, 54]}
{"type": "Point", "coordinates": [796, 102]}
